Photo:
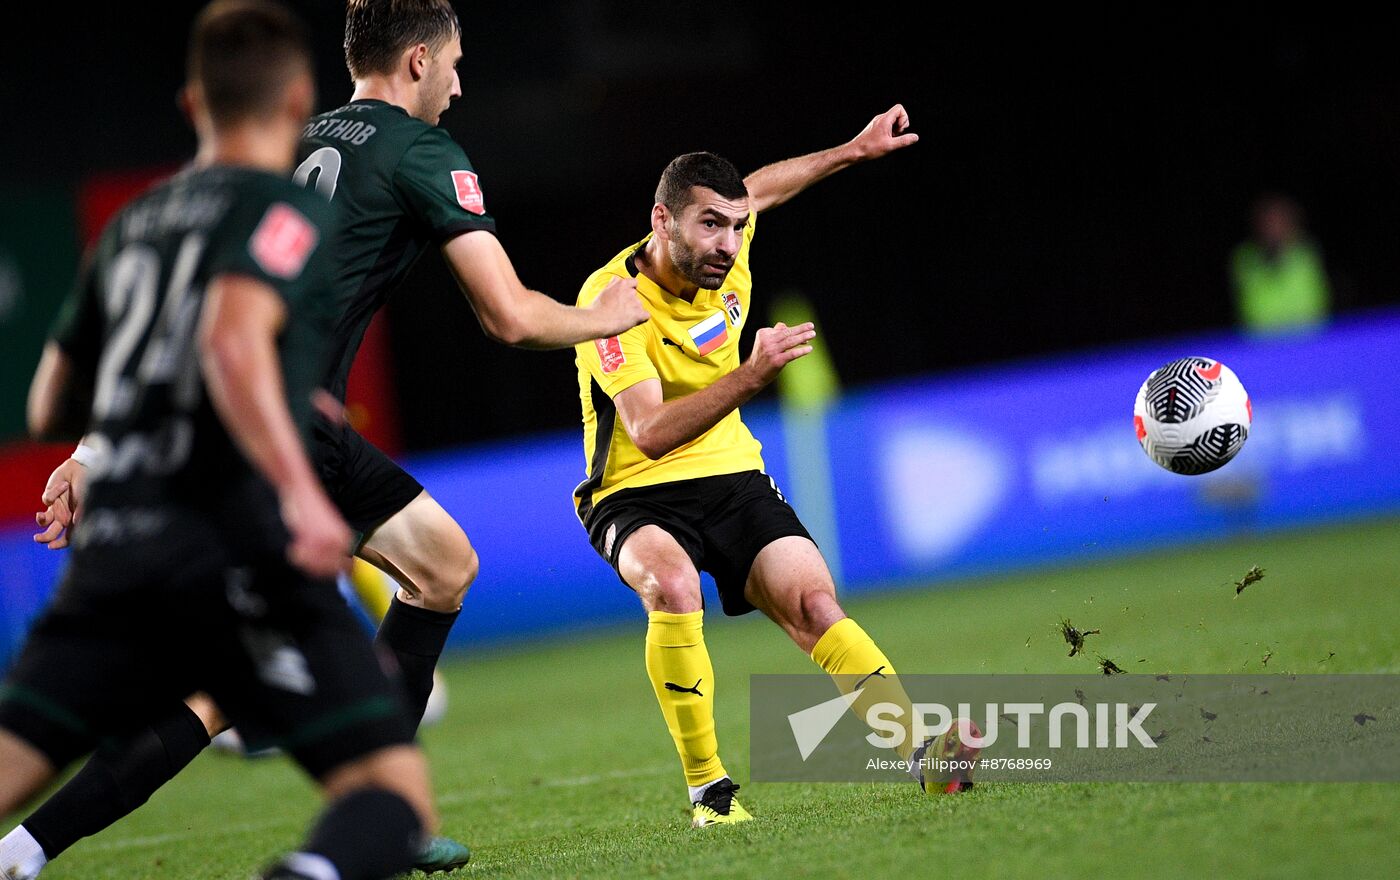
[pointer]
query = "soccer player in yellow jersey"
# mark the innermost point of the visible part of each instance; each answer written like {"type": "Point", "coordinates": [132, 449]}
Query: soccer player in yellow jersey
{"type": "Point", "coordinates": [675, 480]}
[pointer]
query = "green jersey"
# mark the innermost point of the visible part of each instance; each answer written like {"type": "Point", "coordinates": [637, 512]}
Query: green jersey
{"type": "Point", "coordinates": [130, 325]}
{"type": "Point", "coordinates": [397, 184]}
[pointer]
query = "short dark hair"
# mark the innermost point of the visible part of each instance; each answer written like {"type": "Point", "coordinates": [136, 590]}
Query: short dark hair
{"type": "Point", "coordinates": [242, 52]}
{"type": "Point", "coordinates": [698, 169]}
{"type": "Point", "coordinates": [377, 31]}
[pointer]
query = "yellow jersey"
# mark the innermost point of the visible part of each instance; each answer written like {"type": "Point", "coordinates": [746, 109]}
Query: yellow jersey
{"type": "Point", "coordinates": [685, 345]}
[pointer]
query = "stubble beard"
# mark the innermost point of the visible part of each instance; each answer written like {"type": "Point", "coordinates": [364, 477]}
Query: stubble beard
{"type": "Point", "coordinates": [689, 264]}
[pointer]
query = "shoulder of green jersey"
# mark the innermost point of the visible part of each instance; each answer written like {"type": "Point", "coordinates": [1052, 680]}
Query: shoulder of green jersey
{"type": "Point", "coordinates": [461, 179]}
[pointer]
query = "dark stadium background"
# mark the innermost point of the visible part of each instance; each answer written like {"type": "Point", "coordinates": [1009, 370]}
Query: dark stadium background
{"type": "Point", "coordinates": [1079, 181]}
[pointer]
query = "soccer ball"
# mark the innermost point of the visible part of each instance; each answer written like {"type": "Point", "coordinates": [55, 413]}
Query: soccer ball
{"type": "Point", "coordinates": [1192, 416]}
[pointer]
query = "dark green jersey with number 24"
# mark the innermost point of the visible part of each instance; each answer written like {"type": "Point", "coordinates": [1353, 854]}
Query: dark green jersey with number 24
{"type": "Point", "coordinates": [397, 185]}
{"type": "Point", "coordinates": [130, 326]}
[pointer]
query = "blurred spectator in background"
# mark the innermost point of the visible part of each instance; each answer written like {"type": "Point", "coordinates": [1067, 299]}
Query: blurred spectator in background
{"type": "Point", "coordinates": [1278, 277]}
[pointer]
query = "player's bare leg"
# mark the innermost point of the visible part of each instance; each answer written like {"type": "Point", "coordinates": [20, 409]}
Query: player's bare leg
{"type": "Point", "coordinates": [26, 770]}
{"type": "Point", "coordinates": [678, 664]}
{"type": "Point", "coordinates": [790, 583]}
{"type": "Point", "coordinates": [424, 549]}
{"type": "Point", "coordinates": [660, 571]}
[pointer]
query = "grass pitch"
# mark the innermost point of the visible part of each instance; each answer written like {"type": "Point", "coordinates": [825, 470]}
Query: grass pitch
{"type": "Point", "coordinates": [554, 760]}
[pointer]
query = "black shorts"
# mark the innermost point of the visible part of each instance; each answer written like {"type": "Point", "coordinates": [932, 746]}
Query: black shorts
{"type": "Point", "coordinates": [132, 629]}
{"type": "Point", "coordinates": [721, 522]}
{"type": "Point", "coordinates": [364, 483]}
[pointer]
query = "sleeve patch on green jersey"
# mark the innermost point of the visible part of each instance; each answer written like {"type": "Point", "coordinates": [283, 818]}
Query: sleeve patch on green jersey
{"type": "Point", "coordinates": [469, 194]}
{"type": "Point", "coordinates": [283, 241]}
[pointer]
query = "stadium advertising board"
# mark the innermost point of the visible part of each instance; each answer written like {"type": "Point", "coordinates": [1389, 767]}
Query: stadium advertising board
{"type": "Point", "coordinates": [1011, 466]}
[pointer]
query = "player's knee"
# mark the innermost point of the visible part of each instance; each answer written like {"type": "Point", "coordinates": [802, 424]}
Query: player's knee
{"type": "Point", "coordinates": [468, 566]}
{"type": "Point", "coordinates": [676, 591]}
{"type": "Point", "coordinates": [446, 584]}
{"type": "Point", "coordinates": [818, 610]}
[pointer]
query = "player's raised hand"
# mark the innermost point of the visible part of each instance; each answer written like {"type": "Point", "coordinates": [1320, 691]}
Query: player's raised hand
{"type": "Point", "coordinates": [622, 306]}
{"type": "Point", "coordinates": [321, 540]}
{"type": "Point", "coordinates": [777, 346]}
{"type": "Point", "coordinates": [62, 500]}
{"type": "Point", "coordinates": [886, 133]}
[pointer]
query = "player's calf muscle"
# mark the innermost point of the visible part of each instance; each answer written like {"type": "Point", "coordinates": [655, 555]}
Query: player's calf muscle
{"type": "Point", "coordinates": [25, 770]}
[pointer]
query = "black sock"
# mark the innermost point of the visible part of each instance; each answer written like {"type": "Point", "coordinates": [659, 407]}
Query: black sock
{"type": "Point", "coordinates": [416, 636]}
{"type": "Point", "coordinates": [116, 780]}
{"type": "Point", "coordinates": [369, 834]}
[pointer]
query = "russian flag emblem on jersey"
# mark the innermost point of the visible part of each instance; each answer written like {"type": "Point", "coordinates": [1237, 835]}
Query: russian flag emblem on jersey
{"type": "Point", "coordinates": [710, 333]}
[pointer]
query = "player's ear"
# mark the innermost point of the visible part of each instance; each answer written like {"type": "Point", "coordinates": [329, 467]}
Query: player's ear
{"type": "Point", "coordinates": [418, 61]}
{"type": "Point", "coordinates": [661, 221]}
{"type": "Point", "coordinates": [188, 100]}
{"type": "Point", "coordinates": [300, 97]}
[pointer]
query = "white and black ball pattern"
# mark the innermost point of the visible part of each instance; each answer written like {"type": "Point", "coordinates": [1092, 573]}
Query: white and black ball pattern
{"type": "Point", "coordinates": [1192, 415]}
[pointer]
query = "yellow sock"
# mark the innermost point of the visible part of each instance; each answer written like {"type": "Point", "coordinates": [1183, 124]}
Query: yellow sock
{"type": "Point", "coordinates": [676, 656]}
{"type": "Point", "coordinates": [852, 658]}
{"type": "Point", "coordinates": [372, 589]}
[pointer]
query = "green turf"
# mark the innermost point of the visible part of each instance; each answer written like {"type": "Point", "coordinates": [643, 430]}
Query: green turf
{"type": "Point", "coordinates": [554, 760]}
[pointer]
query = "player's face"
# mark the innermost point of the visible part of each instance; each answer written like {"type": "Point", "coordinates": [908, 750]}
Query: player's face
{"type": "Point", "coordinates": [706, 237]}
{"type": "Point", "coordinates": [440, 83]}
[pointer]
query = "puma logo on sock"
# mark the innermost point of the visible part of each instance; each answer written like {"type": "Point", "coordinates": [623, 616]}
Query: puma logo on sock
{"type": "Point", "coordinates": [692, 690]}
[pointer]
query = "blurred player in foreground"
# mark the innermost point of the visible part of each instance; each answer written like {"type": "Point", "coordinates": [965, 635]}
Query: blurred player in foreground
{"type": "Point", "coordinates": [398, 184]}
{"type": "Point", "coordinates": [190, 351]}
{"type": "Point", "coordinates": [675, 481]}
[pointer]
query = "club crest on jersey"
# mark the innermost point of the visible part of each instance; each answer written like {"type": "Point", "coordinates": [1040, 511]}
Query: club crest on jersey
{"type": "Point", "coordinates": [283, 241]}
{"type": "Point", "coordinates": [732, 307]}
{"type": "Point", "coordinates": [469, 195]}
{"type": "Point", "coordinates": [710, 333]}
{"type": "Point", "coordinates": [610, 353]}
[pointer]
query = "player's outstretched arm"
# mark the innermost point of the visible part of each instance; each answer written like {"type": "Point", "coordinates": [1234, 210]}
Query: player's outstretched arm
{"type": "Point", "coordinates": [238, 350]}
{"type": "Point", "coordinates": [774, 184]}
{"type": "Point", "coordinates": [657, 427]}
{"type": "Point", "coordinates": [512, 313]}
{"type": "Point", "coordinates": [60, 398]}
